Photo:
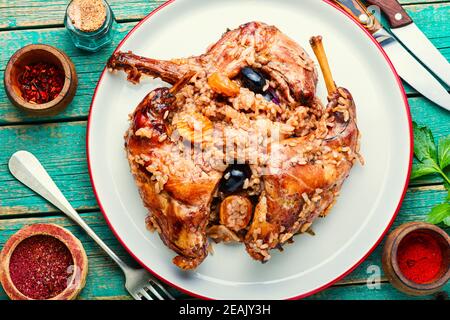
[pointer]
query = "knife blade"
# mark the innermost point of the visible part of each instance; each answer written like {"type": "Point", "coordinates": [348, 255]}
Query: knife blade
{"type": "Point", "coordinates": [408, 68]}
{"type": "Point", "coordinates": [405, 30]}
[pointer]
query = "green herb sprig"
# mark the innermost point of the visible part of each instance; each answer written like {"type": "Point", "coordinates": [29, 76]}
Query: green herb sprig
{"type": "Point", "coordinates": [433, 159]}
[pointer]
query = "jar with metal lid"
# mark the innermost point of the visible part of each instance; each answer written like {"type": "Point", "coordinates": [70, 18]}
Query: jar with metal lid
{"type": "Point", "coordinates": [90, 24]}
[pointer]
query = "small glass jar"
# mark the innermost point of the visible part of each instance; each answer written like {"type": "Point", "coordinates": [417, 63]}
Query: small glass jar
{"type": "Point", "coordinates": [90, 40]}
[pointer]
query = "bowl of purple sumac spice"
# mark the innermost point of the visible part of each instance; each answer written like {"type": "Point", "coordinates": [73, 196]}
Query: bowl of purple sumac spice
{"type": "Point", "coordinates": [40, 79]}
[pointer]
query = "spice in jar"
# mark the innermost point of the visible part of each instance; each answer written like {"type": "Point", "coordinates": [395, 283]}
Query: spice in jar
{"type": "Point", "coordinates": [40, 267]}
{"type": "Point", "coordinates": [41, 82]}
{"type": "Point", "coordinates": [420, 258]}
{"type": "Point", "coordinates": [90, 23]}
{"type": "Point", "coordinates": [87, 15]}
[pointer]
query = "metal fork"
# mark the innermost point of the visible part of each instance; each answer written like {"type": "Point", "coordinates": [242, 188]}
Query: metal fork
{"type": "Point", "coordinates": [28, 170]}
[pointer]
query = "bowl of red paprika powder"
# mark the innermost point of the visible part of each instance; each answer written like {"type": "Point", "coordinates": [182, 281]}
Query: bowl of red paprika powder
{"type": "Point", "coordinates": [40, 79]}
{"type": "Point", "coordinates": [416, 258]}
{"type": "Point", "coordinates": [43, 262]}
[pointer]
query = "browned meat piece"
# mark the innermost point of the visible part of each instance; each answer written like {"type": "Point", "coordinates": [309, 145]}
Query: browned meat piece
{"type": "Point", "coordinates": [304, 182]}
{"type": "Point", "coordinates": [253, 43]}
{"type": "Point", "coordinates": [135, 66]}
{"type": "Point", "coordinates": [181, 141]}
{"type": "Point", "coordinates": [180, 213]}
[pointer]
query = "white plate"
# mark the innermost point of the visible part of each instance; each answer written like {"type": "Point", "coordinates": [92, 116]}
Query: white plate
{"type": "Point", "coordinates": [369, 199]}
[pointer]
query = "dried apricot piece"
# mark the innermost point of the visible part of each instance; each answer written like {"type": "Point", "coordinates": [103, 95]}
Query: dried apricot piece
{"type": "Point", "coordinates": [221, 84]}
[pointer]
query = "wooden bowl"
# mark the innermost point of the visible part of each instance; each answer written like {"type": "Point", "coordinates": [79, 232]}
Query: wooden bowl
{"type": "Point", "coordinates": [76, 280]}
{"type": "Point", "coordinates": [40, 53]}
{"type": "Point", "coordinates": [391, 266]}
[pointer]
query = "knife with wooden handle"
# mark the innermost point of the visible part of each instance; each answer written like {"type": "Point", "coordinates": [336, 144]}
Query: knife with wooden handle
{"type": "Point", "coordinates": [394, 12]}
{"type": "Point", "coordinates": [405, 30]}
{"type": "Point", "coordinates": [408, 68]}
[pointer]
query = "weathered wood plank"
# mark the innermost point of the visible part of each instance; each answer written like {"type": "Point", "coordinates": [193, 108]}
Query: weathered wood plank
{"type": "Point", "coordinates": [88, 66]}
{"type": "Point", "coordinates": [362, 292]}
{"type": "Point", "coordinates": [85, 62]}
{"type": "Point", "coordinates": [105, 279]}
{"type": "Point", "coordinates": [61, 148]}
{"type": "Point", "coordinates": [38, 13]}
{"type": "Point", "coordinates": [420, 106]}
{"type": "Point", "coordinates": [426, 113]}
{"type": "Point", "coordinates": [432, 19]}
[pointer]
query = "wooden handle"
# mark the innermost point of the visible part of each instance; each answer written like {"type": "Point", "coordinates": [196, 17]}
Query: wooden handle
{"type": "Point", "coordinates": [360, 13]}
{"type": "Point", "coordinates": [394, 12]}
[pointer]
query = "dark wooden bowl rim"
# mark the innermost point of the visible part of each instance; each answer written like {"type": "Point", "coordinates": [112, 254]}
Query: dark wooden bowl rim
{"type": "Point", "coordinates": [52, 51]}
{"type": "Point", "coordinates": [80, 260]}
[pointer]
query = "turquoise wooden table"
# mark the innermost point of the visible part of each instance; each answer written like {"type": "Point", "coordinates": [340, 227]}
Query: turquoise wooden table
{"type": "Point", "coordinates": [59, 142]}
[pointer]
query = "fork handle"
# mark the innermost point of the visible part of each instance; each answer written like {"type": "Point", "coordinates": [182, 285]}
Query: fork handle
{"type": "Point", "coordinates": [28, 170]}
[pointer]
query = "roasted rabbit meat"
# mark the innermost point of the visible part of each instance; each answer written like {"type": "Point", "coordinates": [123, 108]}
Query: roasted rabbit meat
{"type": "Point", "coordinates": [238, 147]}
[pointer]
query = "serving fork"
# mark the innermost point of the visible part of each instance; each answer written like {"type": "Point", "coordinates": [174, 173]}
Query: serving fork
{"type": "Point", "coordinates": [28, 170]}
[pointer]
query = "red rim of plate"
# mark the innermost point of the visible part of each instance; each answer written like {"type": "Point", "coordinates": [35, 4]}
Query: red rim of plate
{"type": "Point", "coordinates": [405, 99]}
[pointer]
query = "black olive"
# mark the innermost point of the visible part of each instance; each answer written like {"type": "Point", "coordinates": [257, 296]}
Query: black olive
{"type": "Point", "coordinates": [234, 177]}
{"type": "Point", "coordinates": [253, 80]}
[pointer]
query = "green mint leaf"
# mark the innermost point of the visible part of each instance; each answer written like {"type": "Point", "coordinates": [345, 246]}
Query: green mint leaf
{"type": "Point", "coordinates": [439, 213]}
{"type": "Point", "coordinates": [422, 169]}
{"type": "Point", "coordinates": [446, 221]}
{"type": "Point", "coordinates": [444, 152]}
{"type": "Point", "coordinates": [447, 187]}
{"type": "Point", "coordinates": [424, 146]}
{"type": "Point", "coordinates": [446, 183]}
